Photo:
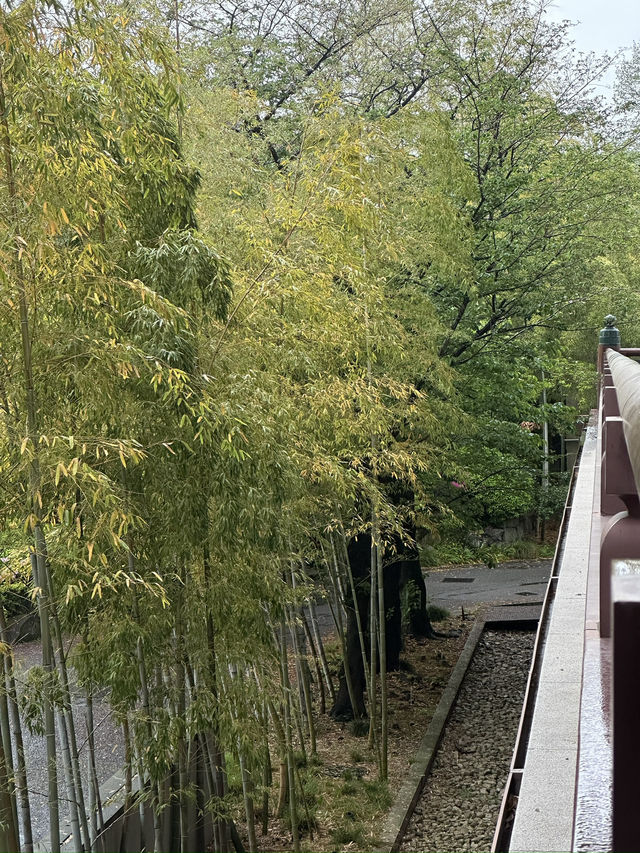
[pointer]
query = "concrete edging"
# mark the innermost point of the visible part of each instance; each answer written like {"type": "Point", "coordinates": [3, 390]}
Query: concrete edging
{"type": "Point", "coordinates": [404, 804]}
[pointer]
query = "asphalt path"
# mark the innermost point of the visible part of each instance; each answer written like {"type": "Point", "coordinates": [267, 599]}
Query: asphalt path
{"type": "Point", "coordinates": [515, 582]}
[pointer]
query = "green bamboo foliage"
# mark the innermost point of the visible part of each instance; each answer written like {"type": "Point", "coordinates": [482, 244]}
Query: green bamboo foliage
{"type": "Point", "coordinates": [199, 412]}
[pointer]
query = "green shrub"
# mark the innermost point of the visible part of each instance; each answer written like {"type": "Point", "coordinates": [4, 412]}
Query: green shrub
{"type": "Point", "coordinates": [378, 794]}
{"type": "Point", "coordinates": [359, 727]}
{"type": "Point", "coordinates": [456, 553]}
{"type": "Point", "coordinates": [438, 614]}
{"type": "Point", "coordinates": [16, 597]}
{"type": "Point", "coordinates": [349, 833]}
{"type": "Point", "coordinates": [299, 759]}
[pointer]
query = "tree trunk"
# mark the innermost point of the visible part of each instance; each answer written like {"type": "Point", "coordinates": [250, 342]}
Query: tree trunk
{"type": "Point", "coordinates": [359, 554]}
{"type": "Point", "coordinates": [286, 689]}
{"type": "Point", "coordinates": [414, 593]}
{"type": "Point", "coordinates": [8, 828]}
{"type": "Point", "coordinates": [21, 770]}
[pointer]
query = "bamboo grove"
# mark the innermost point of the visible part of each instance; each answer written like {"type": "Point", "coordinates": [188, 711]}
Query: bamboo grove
{"type": "Point", "coordinates": [260, 279]}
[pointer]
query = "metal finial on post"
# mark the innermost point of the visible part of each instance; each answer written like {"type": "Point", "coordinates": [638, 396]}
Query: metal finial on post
{"type": "Point", "coordinates": [609, 339]}
{"type": "Point", "coordinates": [610, 335]}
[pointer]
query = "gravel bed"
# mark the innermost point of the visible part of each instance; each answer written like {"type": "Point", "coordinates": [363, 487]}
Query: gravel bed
{"type": "Point", "coordinates": [461, 800]}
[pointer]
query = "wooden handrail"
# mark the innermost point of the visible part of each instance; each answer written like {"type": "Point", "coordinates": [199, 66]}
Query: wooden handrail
{"type": "Point", "coordinates": [620, 578]}
{"type": "Point", "coordinates": [626, 379]}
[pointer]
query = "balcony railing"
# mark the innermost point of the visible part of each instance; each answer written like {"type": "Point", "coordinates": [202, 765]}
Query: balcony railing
{"type": "Point", "coordinates": [620, 578]}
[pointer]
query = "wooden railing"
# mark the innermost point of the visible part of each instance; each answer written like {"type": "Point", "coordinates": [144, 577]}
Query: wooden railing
{"type": "Point", "coordinates": [620, 578]}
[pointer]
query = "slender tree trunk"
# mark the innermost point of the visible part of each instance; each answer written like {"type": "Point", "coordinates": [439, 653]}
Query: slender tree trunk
{"type": "Point", "coordinates": [356, 609]}
{"type": "Point", "coordinates": [382, 645]}
{"type": "Point", "coordinates": [158, 801]}
{"type": "Point", "coordinates": [355, 703]}
{"type": "Point", "coordinates": [142, 797]}
{"type": "Point", "coordinates": [7, 742]}
{"type": "Point", "coordinates": [373, 706]}
{"type": "Point", "coordinates": [96, 814]}
{"type": "Point", "coordinates": [294, 708]}
{"type": "Point", "coordinates": [128, 776]}
{"type": "Point", "coordinates": [245, 775]}
{"type": "Point", "coordinates": [20, 769]}
{"type": "Point", "coordinates": [76, 793]}
{"type": "Point", "coordinates": [183, 776]}
{"type": "Point", "coordinates": [68, 778]}
{"type": "Point", "coordinates": [316, 662]}
{"type": "Point", "coordinates": [321, 652]}
{"type": "Point", "coordinates": [34, 486]}
{"type": "Point", "coordinates": [223, 829]}
{"type": "Point", "coordinates": [8, 828]}
{"type": "Point", "coordinates": [146, 707]}
{"type": "Point", "coordinates": [286, 687]}
{"type": "Point", "coordinates": [38, 560]}
{"type": "Point", "coordinates": [302, 668]}
{"type": "Point", "coordinates": [267, 776]}
{"type": "Point", "coordinates": [283, 779]}
{"type": "Point", "coordinates": [93, 809]}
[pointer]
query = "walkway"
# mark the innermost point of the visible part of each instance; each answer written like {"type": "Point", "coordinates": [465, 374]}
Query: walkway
{"type": "Point", "coordinates": [518, 582]}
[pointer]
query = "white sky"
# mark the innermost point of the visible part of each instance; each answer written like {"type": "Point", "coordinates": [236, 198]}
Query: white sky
{"type": "Point", "coordinates": [605, 26]}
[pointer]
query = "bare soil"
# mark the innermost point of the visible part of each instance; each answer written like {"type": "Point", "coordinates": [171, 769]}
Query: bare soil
{"type": "Point", "coordinates": [346, 802]}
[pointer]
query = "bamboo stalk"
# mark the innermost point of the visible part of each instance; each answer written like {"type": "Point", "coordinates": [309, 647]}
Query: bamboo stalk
{"type": "Point", "coordinates": [68, 778]}
{"type": "Point", "coordinates": [316, 662]}
{"type": "Point", "coordinates": [128, 775]}
{"type": "Point", "coordinates": [321, 651]}
{"type": "Point", "coordinates": [20, 768]}
{"type": "Point", "coordinates": [356, 608]}
{"type": "Point", "coordinates": [382, 645]}
{"type": "Point", "coordinates": [247, 783]}
{"type": "Point", "coordinates": [286, 687]}
{"type": "Point", "coordinates": [303, 669]}
{"type": "Point", "coordinates": [8, 828]}
{"type": "Point", "coordinates": [96, 812]}
{"type": "Point", "coordinates": [373, 710]}
{"type": "Point", "coordinates": [283, 778]}
{"type": "Point", "coordinates": [67, 723]}
{"type": "Point", "coordinates": [267, 775]}
{"type": "Point", "coordinates": [49, 719]}
{"type": "Point", "coordinates": [223, 829]}
{"type": "Point", "coordinates": [183, 776]}
{"type": "Point", "coordinates": [34, 487]}
{"type": "Point", "coordinates": [7, 741]}
{"type": "Point", "coordinates": [343, 642]}
{"type": "Point", "coordinates": [146, 707]}
{"type": "Point", "coordinates": [247, 795]}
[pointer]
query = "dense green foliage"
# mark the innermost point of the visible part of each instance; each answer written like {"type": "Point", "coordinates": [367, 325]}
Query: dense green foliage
{"type": "Point", "coordinates": [274, 276]}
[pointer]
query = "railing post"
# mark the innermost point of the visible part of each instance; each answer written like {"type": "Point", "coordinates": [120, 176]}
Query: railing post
{"type": "Point", "coordinates": [626, 697]}
{"type": "Point", "coordinates": [620, 573]}
{"type": "Point", "coordinates": [620, 538]}
{"type": "Point", "coordinates": [621, 533]}
{"type": "Point", "coordinates": [609, 339]}
{"type": "Point", "coordinates": [610, 503]}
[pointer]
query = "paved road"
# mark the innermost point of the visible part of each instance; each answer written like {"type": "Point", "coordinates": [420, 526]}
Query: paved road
{"type": "Point", "coordinates": [515, 582]}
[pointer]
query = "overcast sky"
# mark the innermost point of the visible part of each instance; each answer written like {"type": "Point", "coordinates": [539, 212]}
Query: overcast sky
{"type": "Point", "coordinates": [604, 26]}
